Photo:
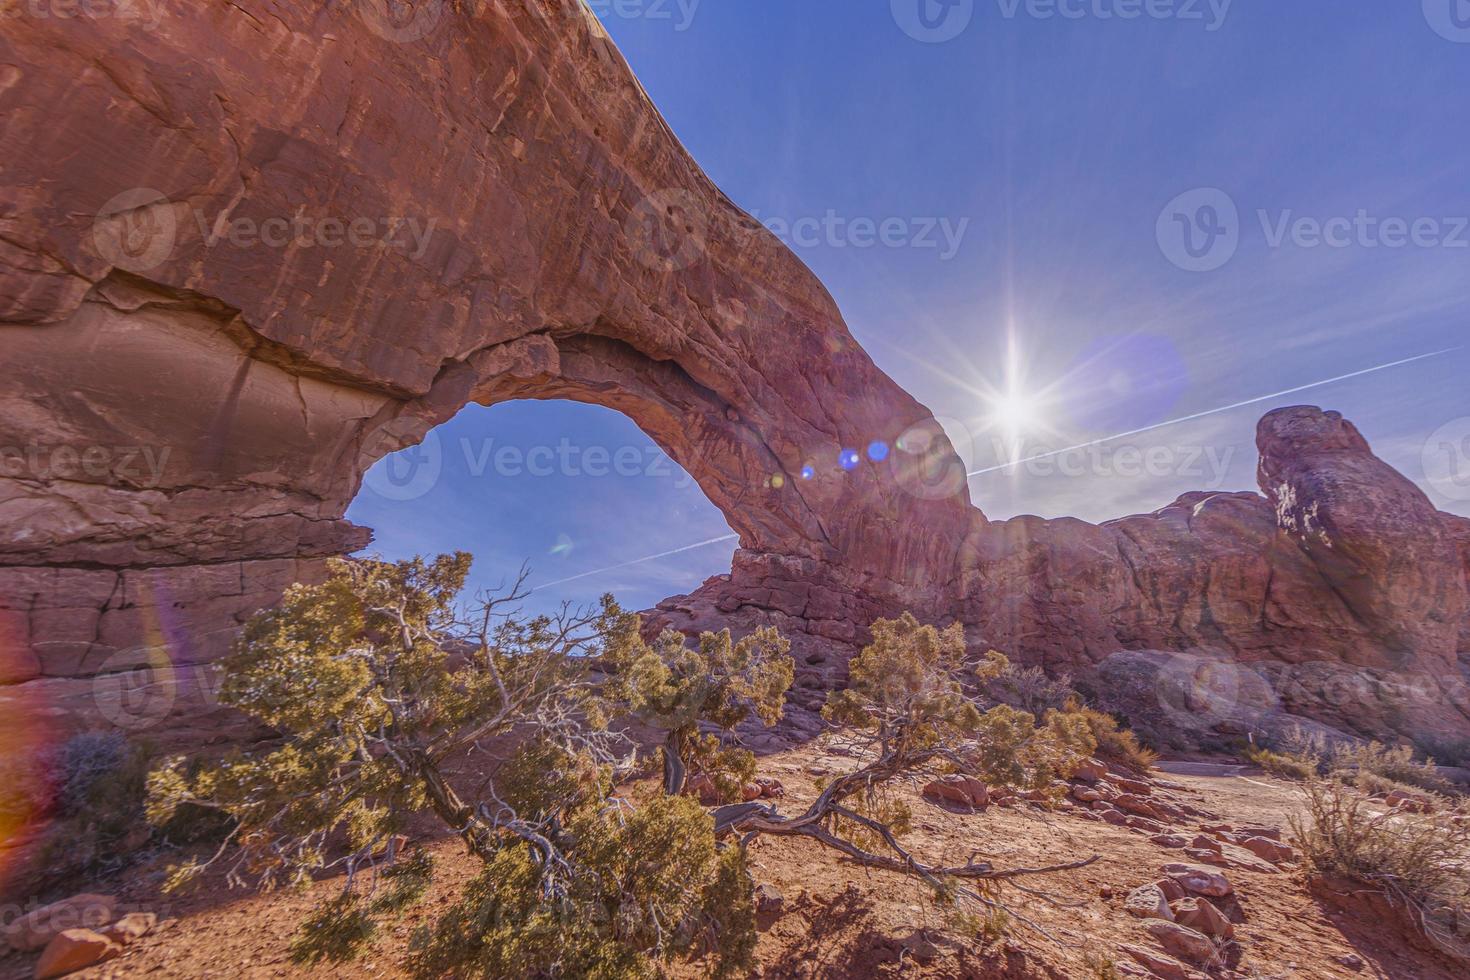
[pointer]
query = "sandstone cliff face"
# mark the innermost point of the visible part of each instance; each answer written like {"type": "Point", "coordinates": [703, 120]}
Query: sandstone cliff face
{"type": "Point", "coordinates": [274, 241]}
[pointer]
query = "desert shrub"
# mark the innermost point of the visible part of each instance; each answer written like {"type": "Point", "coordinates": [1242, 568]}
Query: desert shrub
{"type": "Point", "coordinates": [1028, 689]}
{"type": "Point", "coordinates": [1282, 764]}
{"type": "Point", "coordinates": [1295, 754]}
{"type": "Point", "coordinates": [87, 770]}
{"type": "Point", "coordinates": [89, 791]}
{"type": "Point", "coordinates": [384, 688]}
{"type": "Point", "coordinates": [674, 688]}
{"type": "Point", "coordinates": [1113, 742]}
{"type": "Point", "coordinates": [1378, 768]}
{"type": "Point", "coordinates": [1420, 861]}
{"type": "Point", "coordinates": [83, 762]}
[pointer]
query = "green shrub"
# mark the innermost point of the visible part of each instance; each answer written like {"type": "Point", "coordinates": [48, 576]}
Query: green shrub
{"type": "Point", "coordinates": [673, 688]}
{"type": "Point", "coordinates": [628, 910]}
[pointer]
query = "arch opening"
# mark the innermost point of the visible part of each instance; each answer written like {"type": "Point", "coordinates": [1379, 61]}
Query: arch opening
{"type": "Point", "coordinates": [578, 493]}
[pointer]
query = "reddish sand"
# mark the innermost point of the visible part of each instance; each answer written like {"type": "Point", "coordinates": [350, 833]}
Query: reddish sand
{"type": "Point", "coordinates": [841, 920]}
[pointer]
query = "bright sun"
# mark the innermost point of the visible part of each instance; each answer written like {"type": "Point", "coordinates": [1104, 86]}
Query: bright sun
{"type": "Point", "coordinates": [1015, 413]}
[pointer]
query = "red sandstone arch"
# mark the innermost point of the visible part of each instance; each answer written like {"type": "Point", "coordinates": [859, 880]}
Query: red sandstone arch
{"type": "Point", "coordinates": [157, 293]}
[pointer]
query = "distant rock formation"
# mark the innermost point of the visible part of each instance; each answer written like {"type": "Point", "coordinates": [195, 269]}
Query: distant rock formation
{"type": "Point", "coordinates": [270, 242]}
{"type": "Point", "coordinates": [1338, 596]}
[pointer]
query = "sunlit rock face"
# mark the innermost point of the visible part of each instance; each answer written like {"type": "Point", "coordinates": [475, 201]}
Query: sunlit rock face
{"type": "Point", "coordinates": [275, 241]}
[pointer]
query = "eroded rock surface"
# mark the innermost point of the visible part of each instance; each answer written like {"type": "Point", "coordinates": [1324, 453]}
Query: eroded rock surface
{"type": "Point", "coordinates": [274, 241]}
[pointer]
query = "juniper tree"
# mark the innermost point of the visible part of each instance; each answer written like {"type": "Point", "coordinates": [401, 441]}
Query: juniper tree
{"type": "Point", "coordinates": [908, 711]}
{"type": "Point", "coordinates": [674, 689]}
{"type": "Point", "coordinates": [393, 701]}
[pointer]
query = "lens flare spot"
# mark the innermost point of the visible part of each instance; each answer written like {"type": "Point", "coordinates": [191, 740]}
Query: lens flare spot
{"type": "Point", "coordinates": [808, 472]}
{"type": "Point", "coordinates": [778, 481]}
{"type": "Point", "coordinates": [849, 459]}
{"type": "Point", "coordinates": [878, 451]}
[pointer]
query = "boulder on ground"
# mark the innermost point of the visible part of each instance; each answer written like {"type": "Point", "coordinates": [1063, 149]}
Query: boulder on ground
{"type": "Point", "coordinates": [771, 788]}
{"type": "Point", "coordinates": [1172, 890]}
{"type": "Point", "coordinates": [36, 929]}
{"type": "Point", "coordinates": [1132, 803]}
{"type": "Point", "coordinates": [1202, 916]}
{"type": "Point", "coordinates": [131, 927]}
{"type": "Point", "coordinates": [704, 788]}
{"type": "Point", "coordinates": [960, 790]}
{"type": "Point", "coordinates": [1137, 787]}
{"type": "Point", "coordinates": [73, 950]}
{"type": "Point", "coordinates": [1409, 802]}
{"type": "Point", "coordinates": [1148, 902]}
{"type": "Point", "coordinates": [1198, 880]}
{"type": "Point", "coordinates": [1269, 850]}
{"type": "Point", "coordinates": [768, 900]}
{"type": "Point", "coordinates": [1160, 965]}
{"type": "Point", "coordinates": [1182, 941]}
{"type": "Point", "coordinates": [1090, 771]}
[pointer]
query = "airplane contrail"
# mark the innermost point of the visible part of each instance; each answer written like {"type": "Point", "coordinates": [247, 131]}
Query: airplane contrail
{"type": "Point", "coordinates": [1213, 411]}
{"type": "Point", "coordinates": [639, 561]}
{"type": "Point", "coordinates": [1018, 462]}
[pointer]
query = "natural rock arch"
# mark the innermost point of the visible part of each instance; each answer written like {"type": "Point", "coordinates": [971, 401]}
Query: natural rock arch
{"type": "Point", "coordinates": [276, 241]}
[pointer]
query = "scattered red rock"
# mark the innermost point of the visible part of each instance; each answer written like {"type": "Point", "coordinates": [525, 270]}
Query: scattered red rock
{"type": "Point", "coordinates": [959, 790]}
{"type": "Point", "coordinates": [131, 927]}
{"type": "Point", "coordinates": [73, 950]}
{"type": "Point", "coordinates": [36, 929]}
{"type": "Point", "coordinates": [1409, 802]}
{"type": "Point", "coordinates": [1199, 880]}
{"type": "Point", "coordinates": [1147, 902]}
{"type": "Point", "coordinates": [1182, 941]}
{"type": "Point", "coordinates": [1164, 967]}
{"type": "Point", "coordinates": [1202, 916]}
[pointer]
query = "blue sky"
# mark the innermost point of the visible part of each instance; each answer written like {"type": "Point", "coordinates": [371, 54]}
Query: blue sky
{"type": "Point", "coordinates": [1091, 224]}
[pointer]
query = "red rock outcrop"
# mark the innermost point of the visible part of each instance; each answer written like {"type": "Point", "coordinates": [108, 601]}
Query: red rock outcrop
{"type": "Point", "coordinates": [202, 356]}
{"type": "Point", "coordinates": [263, 244]}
